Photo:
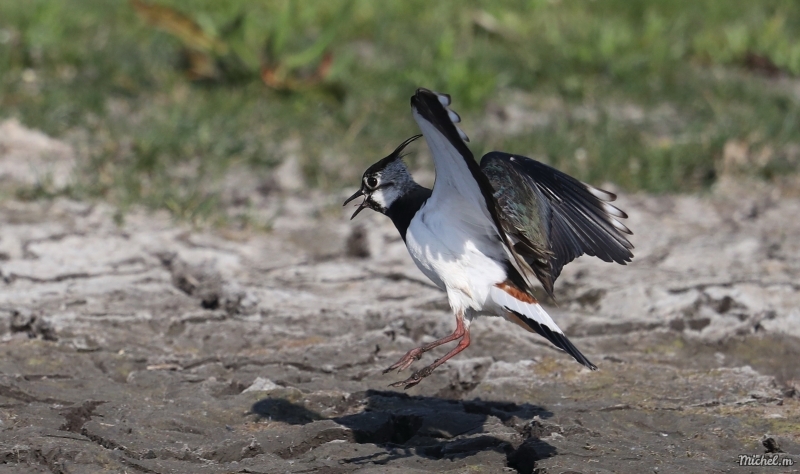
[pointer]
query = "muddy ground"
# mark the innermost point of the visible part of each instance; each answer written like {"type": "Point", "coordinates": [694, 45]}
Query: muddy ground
{"type": "Point", "coordinates": [153, 347]}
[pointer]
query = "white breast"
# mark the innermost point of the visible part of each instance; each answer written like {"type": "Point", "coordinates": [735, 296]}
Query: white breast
{"type": "Point", "coordinates": [458, 252]}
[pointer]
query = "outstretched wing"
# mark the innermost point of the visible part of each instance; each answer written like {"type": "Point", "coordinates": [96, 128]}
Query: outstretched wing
{"type": "Point", "coordinates": [457, 173]}
{"type": "Point", "coordinates": [552, 218]}
{"type": "Point", "coordinates": [460, 187]}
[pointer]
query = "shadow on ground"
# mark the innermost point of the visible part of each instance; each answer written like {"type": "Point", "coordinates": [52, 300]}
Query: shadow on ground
{"type": "Point", "coordinates": [429, 427]}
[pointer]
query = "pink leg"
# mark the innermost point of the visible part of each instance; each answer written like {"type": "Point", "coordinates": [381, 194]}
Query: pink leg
{"type": "Point", "coordinates": [415, 354]}
{"type": "Point", "coordinates": [417, 376]}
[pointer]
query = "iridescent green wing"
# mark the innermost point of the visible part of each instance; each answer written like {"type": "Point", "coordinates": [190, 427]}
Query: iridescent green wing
{"type": "Point", "coordinates": [552, 218]}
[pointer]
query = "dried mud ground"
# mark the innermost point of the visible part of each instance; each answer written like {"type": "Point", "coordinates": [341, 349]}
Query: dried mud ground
{"type": "Point", "coordinates": [151, 347]}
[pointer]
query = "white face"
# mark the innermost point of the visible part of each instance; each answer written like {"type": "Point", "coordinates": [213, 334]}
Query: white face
{"type": "Point", "coordinates": [389, 185]}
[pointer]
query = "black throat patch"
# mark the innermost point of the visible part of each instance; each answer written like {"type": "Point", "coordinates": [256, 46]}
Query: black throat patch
{"type": "Point", "coordinates": [405, 208]}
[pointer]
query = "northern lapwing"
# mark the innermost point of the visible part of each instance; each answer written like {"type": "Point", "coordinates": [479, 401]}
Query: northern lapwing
{"type": "Point", "coordinates": [485, 233]}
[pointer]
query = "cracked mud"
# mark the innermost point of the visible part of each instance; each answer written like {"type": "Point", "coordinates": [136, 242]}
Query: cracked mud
{"type": "Point", "coordinates": [151, 347]}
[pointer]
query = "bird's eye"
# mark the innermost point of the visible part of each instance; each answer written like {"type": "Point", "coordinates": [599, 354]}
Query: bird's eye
{"type": "Point", "coordinates": [372, 182]}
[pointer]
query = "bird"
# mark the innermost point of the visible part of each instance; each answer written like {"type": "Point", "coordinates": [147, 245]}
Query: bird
{"type": "Point", "coordinates": [486, 233]}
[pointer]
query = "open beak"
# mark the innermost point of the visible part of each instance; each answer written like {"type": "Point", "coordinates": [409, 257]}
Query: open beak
{"type": "Point", "coordinates": [363, 204]}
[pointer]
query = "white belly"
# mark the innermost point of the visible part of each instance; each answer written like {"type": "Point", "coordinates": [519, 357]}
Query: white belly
{"type": "Point", "coordinates": [460, 255]}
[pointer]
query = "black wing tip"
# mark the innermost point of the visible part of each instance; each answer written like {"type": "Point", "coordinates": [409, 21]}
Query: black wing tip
{"type": "Point", "coordinates": [426, 96]}
{"type": "Point", "coordinates": [422, 91]}
{"type": "Point", "coordinates": [586, 210]}
{"type": "Point", "coordinates": [440, 97]}
{"type": "Point", "coordinates": [434, 107]}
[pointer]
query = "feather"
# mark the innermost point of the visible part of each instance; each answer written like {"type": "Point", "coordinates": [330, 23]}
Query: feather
{"type": "Point", "coordinates": [557, 217]}
{"type": "Point", "coordinates": [454, 117]}
{"type": "Point", "coordinates": [524, 309]}
{"type": "Point", "coordinates": [462, 135]}
{"type": "Point", "coordinates": [457, 173]}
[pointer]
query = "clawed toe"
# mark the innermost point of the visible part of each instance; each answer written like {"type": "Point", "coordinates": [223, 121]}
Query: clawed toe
{"type": "Point", "coordinates": [415, 378]}
{"type": "Point", "coordinates": [406, 361]}
{"type": "Point", "coordinates": [407, 383]}
{"type": "Point", "coordinates": [401, 365]}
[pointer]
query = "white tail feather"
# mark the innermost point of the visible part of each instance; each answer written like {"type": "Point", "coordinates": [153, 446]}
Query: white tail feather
{"type": "Point", "coordinates": [533, 311]}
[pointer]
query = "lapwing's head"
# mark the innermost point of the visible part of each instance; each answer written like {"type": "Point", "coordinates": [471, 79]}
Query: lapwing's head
{"type": "Point", "coordinates": [384, 182]}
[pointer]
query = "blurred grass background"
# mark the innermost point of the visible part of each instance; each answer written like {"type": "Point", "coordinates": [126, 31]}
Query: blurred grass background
{"type": "Point", "coordinates": [655, 96]}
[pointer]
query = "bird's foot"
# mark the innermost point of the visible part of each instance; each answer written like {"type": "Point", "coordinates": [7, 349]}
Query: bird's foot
{"type": "Point", "coordinates": [416, 377]}
{"type": "Point", "coordinates": [406, 360]}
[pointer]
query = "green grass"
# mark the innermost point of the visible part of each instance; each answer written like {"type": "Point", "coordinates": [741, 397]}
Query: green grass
{"type": "Point", "coordinates": [643, 94]}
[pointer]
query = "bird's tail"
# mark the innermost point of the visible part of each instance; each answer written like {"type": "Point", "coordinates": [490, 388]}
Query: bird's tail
{"type": "Point", "coordinates": [525, 311]}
